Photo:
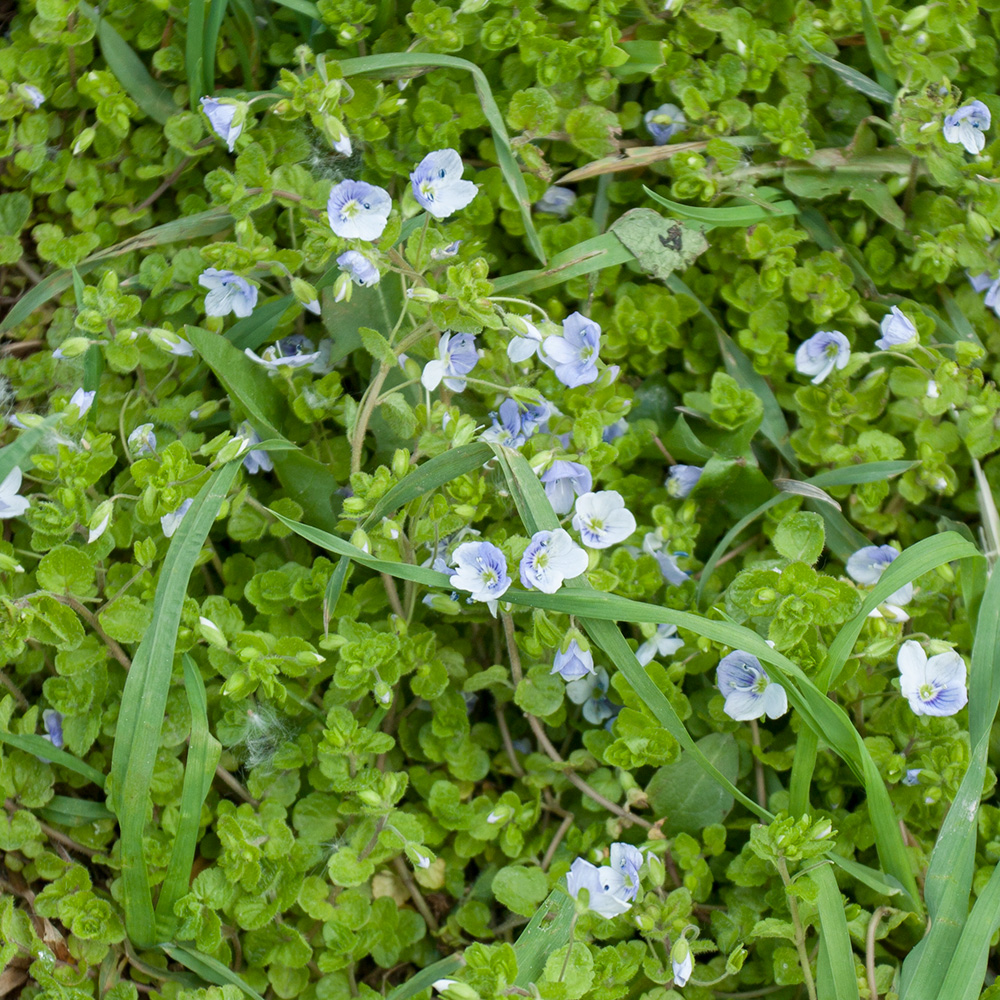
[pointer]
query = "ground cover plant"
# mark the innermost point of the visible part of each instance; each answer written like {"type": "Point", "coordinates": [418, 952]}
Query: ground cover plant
{"type": "Point", "coordinates": [498, 500]}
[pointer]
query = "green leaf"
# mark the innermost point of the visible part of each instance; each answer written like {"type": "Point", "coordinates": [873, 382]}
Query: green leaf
{"type": "Point", "coordinates": [40, 747]}
{"type": "Point", "coordinates": [800, 537]}
{"type": "Point", "coordinates": [835, 975]}
{"type": "Point", "coordinates": [520, 889]}
{"type": "Point", "coordinates": [390, 62]}
{"type": "Point", "coordinates": [686, 795]}
{"type": "Point", "coordinates": [660, 246]}
{"type": "Point", "coordinates": [68, 811]}
{"type": "Point", "coordinates": [850, 76]}
{"type": "Point", "coordinates": [144, 700]}
{"type": "Point", "coordinates": [194, 53]}
{"type": "Point", "coordinates": [130, 70]}
{"type": "Point", "coordinates": [591, 255]}
{"type": "Point", "coordinates": [213, 25]}
{"type": "Point", "coordinates": [211, 970]}
{"type": "Point", "coordinates": [743, 215]}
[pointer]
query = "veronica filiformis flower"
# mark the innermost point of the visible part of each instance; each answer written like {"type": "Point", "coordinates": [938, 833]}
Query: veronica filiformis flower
{"type": "Point", "coordinates": [227, 293]}
{"type": "Point", "coordinates": [551, 558]}
{"type": "Point", "coordinates": [821, 353]}
{"type": "Point", "coordinates": [438, 185]}
{"type": "Point", "coordinates": [896, 330]}
{"type": "Point", "coordinates": [562, 481]}
{"type": "Point", "coordinates": [83, 400]}
{"type": "Point", "coordinates": [362, 271]}
{"type": "Point", "coordinates": [53, 722]}
{"type": "Point", "coordinates": [255, 459]}
{"type": "Point", "coordinates": [556, 201]}
{"type": "Point", "coordinates": [291, 352]}
{"type": "Point", "coordinates": [934, 686]}
{"type": "Point", "coordinates": [528, 339]}
{"type": "Point", "coordinates": [32, 95]}
{"type": "Point", "coordinates": [665, 642]}
{"type": "Point", "coordinates": [358, 210]}
{"type": "Point", "coordinates": [866, 566]}
{"type": "Point", "coordinates": [457, 356]}
{"type": "Point", "coordinates": [748, 691]}
{"type": "Point", "coordinates": [610, 889]}
{"type": "Point", "coordinates": [664, 123]}
{"type": "Point", "coordinates": [682, 479]}
{"type": "Point", "coordinates": [481, 570]}
{"type": "Point", "coordinates": [220, 116]}
{"type": "Point", "coordinates": [11, 504]}
{"type": "Point", "coordinates": [142, 441]}
{"type": "Point", "coordinates": [171, 522]}
{"type": "Point", "coordinates": [573, 662]}
{"type": "Point", "coordinates": [602, 519]}
{"type": "Point", "coordinates": [509, 426]}
{"type": "Point", "coordinates": [573, 354]}
{"type": "Point", "coordinates": [966, 126]}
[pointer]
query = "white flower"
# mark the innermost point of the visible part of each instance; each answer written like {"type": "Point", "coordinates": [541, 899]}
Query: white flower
{"type": "Point", "coordinates": [480, 569]}
{"type": "Point", "coordinates": [966, 126]}
{"type": "Point", "coordinates": [600, 884]}
{"type": "Point", "coordinates": [867, 565]}
{"type": "Point", "coordinates": [142, 441]}
{"type": "Point", "coordinates": [821, 353]}
{"type": "Point", "coordinates": [82, 400]}
{"type": "Point", "coordinates": [274, 357]}
{"type": "Point", "coordinates": [681, 962]}
{"type": "Point", "coordinates": [602, 519]}
{"type": "Point", "coordinates": [220, 116]}
{"type": "Point", "coordinates": [227, 293]}
{"type": "Point", "coordinates": [438, 185]}
{"type": "Point", "coordinates": [170, 522]}
{"type": "Point", "coordinates": [359, 211]}
{"type": "Point", "coordinates": [527, 342]}
{"type": "Point", "coordinates": [748, 691]}
{"type": "Point", "coordinates": [33, 95]}
{"type": "Point", "coordinates": [932, 389]}
{"type": "Point", "coordinates": [664, 643]}
{"type": "Point", "coordinates": [934, 686]}
{"type": "Point", "coordinates": [896, 330]}
{"type": "Point", "coordinates": [12, 505]}
{"type": "Point", "coordinates": [551, 558]}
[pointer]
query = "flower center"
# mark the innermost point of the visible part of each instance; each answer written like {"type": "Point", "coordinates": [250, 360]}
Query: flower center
{"type": "Point", "coordinates": [927, 692]}
{"type": "Point", "coordinates": [541, 559]}
{"type": "Point", "coordinates": [427, 190]}
{"type": "Point", "coordinates": [831, 350]}
{"type": "Point", "coordinates": [595, 525]}
{"type": "Point", "coordinates": [759, 685]}
{"type": "Point", "coordinates": [350, 209]}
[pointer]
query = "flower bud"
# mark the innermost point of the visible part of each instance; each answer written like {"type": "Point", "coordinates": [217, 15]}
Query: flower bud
{"type": "Point", "coordinates": [418, 859]}
{"type": "Point", "coordinates": [73, 347]}
{"type": "Point", "coordinates": [370, 797]}
{"type": "Point", "coordinates": [82, 142]}
{"type": "Point", "coordinates": [422, 294]}
{"type": "Point", "coordinates": [9, 565]}
{"type": "Point", "coordinates": [211, 633]}
{"type": "Point", "coordinates": [309, 658]}
{"type": "Point", "coordinates": [239, 686]}
{"type": "Point", "coordinates": [342, 287]}
{"type": "Point", "coordinates": [303, 291]}
{"type": "Point", "coordinates": [99, 521]}
{"type": "Point", "coordinates": [360, 540]}
{"type": "Point", "coordinates": [232, 450]}
{"type": "Point", "coordinates": [520, 326]}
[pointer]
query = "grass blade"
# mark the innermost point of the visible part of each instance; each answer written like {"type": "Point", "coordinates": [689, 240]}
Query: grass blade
{"type": "Point", "coordinates": [68, 811]}
{"type": "Point", "coordinates": [144, 699]}
{"type": "Point", "coordinates": [425, 977]}
{"type": "Point", "coordinates": [210, 969]}
{"type": "Point", "coordinates": [876, 47]}
{"type": "Point", "coordinates": [585, 258]}
{"type": "Point", "coordinates": [390, 62]}
{"type": "Point", "coordinates": [130, 70]}
{"type": "Point", "coordinates": [40, 747]}
{"type": "Point", "coordinates": [308, 482]}
{"type": "Point", "coordinates": [736, 215]}
{"type": "Point", "coordinates": [548, 931]}
{"type": "Point", "coordinates": [19, 450]}
{"type": "Point", "coordinates": [302, 7]}
{"type": "Point", "coordinates": [213, 25]}
{"type": "Point", "coordinates": [851, 77]}
{"type": "Point", "coordinates": [203, 754]}
{"type": "Point", "coordinates": [835, 978]}
{"type": "Point", "coordinates": [187, 228]}
{"type": "Point", "coordinates": [194, 53]}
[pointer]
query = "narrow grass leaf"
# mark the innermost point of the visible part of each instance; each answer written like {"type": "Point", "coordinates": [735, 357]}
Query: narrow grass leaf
{"type": "Point", "coordinates": [67, 811]}
{"type": "Point", "coordinates": [547, 931]}
{"type": "Point", "coordinates": [835, 976]}
{"type": "Point", "coordinates": [302, 7]}
{"type": "Point", "coordinates": [130, 70]}
{"type": "Point", "coordinates": [307, 481]}
{"type": "Point", "coordinates": [187, 228]}
{"type": "Point", "coordinates": [203, 754]}
{"type": "Point", "coordinates": [425, 977]}
{"type": "Point", "coordinates": [876, 47]}
{"type": "Point", "coordinates": [334, 588]}
{"type": "Point", "coordinates": [391, 62]}
{"type": "Point", "coordinates": [210, 969]}
{"type": "Point", "coordinates": [736, 215]}
{"type": "Point", "coordinates": [584, 258]}
{"type": "Point", "coordinates": [194, 52]}
{"type": "Point", "coordinates": [213, 25]}
{"type": "Point", "coordinates": [850, 76]}
{"type": "Point", "coordinates": [40, 747]}
{"type": "Point", "coordinates": [879, 881]}
{"type": "Point", "coordinates": [18, 452]}
{"type": "Point", "coordinates": [144, 699]}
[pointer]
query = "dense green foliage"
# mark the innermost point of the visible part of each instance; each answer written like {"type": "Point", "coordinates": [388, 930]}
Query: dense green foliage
{"type": "Point", "coordinates": [295, 763]}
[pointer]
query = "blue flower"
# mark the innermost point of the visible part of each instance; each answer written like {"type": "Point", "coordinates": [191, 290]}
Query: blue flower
{"type": "Point", "coordinates": [53, 722]}
{"type": "Point", "coordinates": [358, 211]}
{"type": "Point", "coordinates": [445, 252]}
{"type": "Point", "coordinates": [966, 126]}
{"type": "Point", "coordinates": [602, 519]}
{"type": "Point", "coordinates": [551, 558]}
{"type": "Point", "coordinates": [32, 95]}
{"type": "Point", "coordinates": [556, 201]}
{"type": "Point", "coordinates": [664, 123]}
{"type": "Point", "coordinates": [980, 282]}
{"type": "Point", "coordinates": [664, 643]}
{"type": "Point", "coordinates": [591, 692]}
{"type": "Point", "coordinates": [528, 339]}
{"type": "Point", "coordinates": [625, 861]}
{"type": "Point", "coordinates": [255, 460]}
{"type": "Point", "coordinates": [821, 353]}
{"type": "Point", "coordinates": [170, 522]}
{"type": "Point", "coordinates": [220, 117]}
{"type": "Point", "coordinates": [616, 430]}
{"type": "Point", "coordinates": [573, 355]}
{"type": "Point", "coordinates": [934, 686]}
{"type": "Point", "coordinates": [227, 293]}
{"type": "Point", "coordinates": [362, 271]}
{"type": "Point", "coordinates": [291, 352]}
{"type": "Point", "coordinates": [480, 569]}
{"type": "Point", "coordinates": [748, 691]}
{"type": "Point", "coordinates": [563, 480]}
{"type": "Point", "coordinates": [573, 663]}
{"type": "Point", "coordinates": [438, 185]}
{"type": "Point", "coordinates": [142, 441]}
{"type": "Point", "coordinates": [682, 479]}
{"type": "Point", "coordinates": [896, 330]}
{"type": "Point", "coordinates": [457, 356]}
{"type": "Point", "coordinates": [604, 894]}
{"type": "Point", "coordinates": [867, 565]}
{"type": "Point", "coordinates": [343, 145]}
{"type": "Point", "coordinates": [912, 776]}
{"type": "Point", "coordinates": [83, 400]}
{"type": "Point", "coordinates": [511, 426]}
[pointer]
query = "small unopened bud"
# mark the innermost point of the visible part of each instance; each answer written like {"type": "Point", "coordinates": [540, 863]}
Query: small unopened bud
{"type": "Point", "coordinates": [303, 291]}
{"type": "Point", "coordinates": [73, 347]}
{"type": "Point", "coordinates": [370, 797]}
{"type": "Point", "coordinates": [82, 142]}
{"type": "Point", "coordinates": [681, 961]}
{"type": "Point", "coordinates": [360, 540]}
{"type": "Point", "coordinates": [99, 521]}
{"type": "Point", "coordinates": [238, 686]}
{"type": "Point", "coordinates": [232, 450]}
{"type": "Point", "coordinates": [309, 658]}
{"type": "Point", "coordinates": [211, 633]}
{"type": "Point", "coordinates": [10, 565]}
{"type": "Point", "coordinates": [422, 294]}
{"type": "Point", "coordinates": [342, 287]}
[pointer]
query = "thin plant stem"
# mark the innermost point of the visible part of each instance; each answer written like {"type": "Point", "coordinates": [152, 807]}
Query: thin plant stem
{"type": "Point", "coordinates": [800, 934]}
{"type": "Point", "coordinates": [876, 919]}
